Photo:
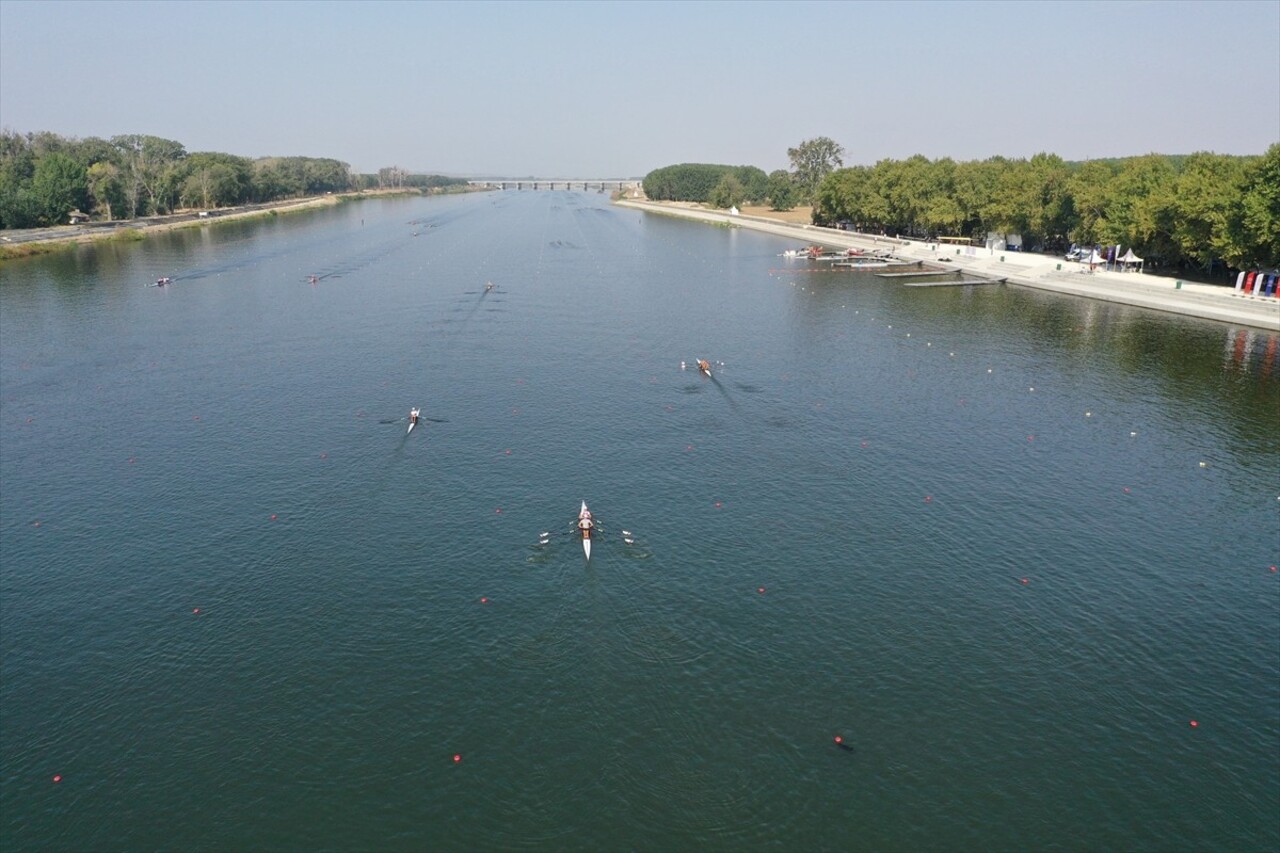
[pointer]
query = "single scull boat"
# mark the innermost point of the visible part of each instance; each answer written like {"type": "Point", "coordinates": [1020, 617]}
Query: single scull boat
{"type": "Point", "coordinates": [585, 524]}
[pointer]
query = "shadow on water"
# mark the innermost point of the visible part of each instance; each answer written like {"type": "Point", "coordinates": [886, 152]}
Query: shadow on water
{"type": "Point", "coordinates": [724, 392]}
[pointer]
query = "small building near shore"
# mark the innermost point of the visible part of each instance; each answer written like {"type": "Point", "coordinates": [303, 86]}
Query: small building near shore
{"type": "Point", "coordinates": [75, 217]}
{"type": "Point", "coordinates": [999, 241]}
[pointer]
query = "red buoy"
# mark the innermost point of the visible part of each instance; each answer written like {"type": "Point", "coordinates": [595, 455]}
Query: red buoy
{"type": "Point", "coordinates": [718, 504]}
{"type": "Point", "coordinates": [57, 778]}
{"type": "Point", "coordinates": [839, 739]}
{"type": "Point", "coordinates": [456, 758]}
{"type": "Point", "coordinates": [273, 516]}
{"type": "Point", "coordinates": [1024, 580]}
{"type": "Point", "coordinates": [928, 499]}
{"type": "Point", "coordinates": [760, 590]}
{"type": "Point", "coordinates": [195, 610]}
{"type": "Point", "coordinates": [1194, 724]}
{"type": "Point", "coordinates": [484, 600]}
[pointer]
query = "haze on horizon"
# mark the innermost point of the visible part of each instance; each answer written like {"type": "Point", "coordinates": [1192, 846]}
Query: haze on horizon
{"type": "Point", "coordinates": [615, 89]}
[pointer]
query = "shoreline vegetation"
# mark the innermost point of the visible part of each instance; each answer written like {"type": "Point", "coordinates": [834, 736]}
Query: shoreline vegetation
{"type": "Point", "coordinates": [1205, 215]}
{"type": "Point", "coordinates": [42, 241]}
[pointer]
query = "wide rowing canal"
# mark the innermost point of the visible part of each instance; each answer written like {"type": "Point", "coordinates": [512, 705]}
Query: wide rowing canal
{"type": "Point", "coordinates": [1006, 545]}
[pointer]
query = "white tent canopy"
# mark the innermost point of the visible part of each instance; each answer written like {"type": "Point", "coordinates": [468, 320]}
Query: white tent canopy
{"type": "Point", "coordinates": [1130, 259]}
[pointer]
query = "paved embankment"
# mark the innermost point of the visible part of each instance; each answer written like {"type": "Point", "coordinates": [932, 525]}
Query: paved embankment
{"type": "Point", "coordinates": [1194, 299]}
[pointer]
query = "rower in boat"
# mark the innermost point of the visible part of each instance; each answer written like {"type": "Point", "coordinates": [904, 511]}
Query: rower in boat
{"type": "Point", "coordinates": [704, 366]}
{"type": "Point", "coordinates": [413, 417]}
{"type": "Point", "coordinates": [585, 525]}
{"type": "Point", "coordinates": [161, 282]}
{"type": "Point", "coordinates": [488, 287]}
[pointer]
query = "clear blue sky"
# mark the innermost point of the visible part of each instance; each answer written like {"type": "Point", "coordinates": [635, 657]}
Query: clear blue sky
{"type": "Point", "coordinates": [615, 89]}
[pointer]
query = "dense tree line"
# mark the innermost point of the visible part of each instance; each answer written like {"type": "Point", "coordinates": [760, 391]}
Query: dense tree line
{"type": "Point", "coordinates": [1201, 211]}
{"type": "Point", "coordinates": [43, 177]}
{"type": "Point", "coordinates": [723, 186]}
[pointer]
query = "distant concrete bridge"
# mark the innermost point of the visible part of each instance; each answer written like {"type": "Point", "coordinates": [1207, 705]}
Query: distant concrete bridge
{"type": "Point", "coordinates": [582, 184]}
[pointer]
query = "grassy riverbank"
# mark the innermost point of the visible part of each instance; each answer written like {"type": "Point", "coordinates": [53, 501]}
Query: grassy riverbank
{"type": "Point", "coordinates": [42, 241]}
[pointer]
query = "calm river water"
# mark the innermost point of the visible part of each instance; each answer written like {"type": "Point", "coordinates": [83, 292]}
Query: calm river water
{"type": "Point", "coordinates": [1016, 551]}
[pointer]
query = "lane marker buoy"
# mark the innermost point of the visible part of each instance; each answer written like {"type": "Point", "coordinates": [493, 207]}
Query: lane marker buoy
{"type": "Point", "coordinates": [1195, 724]}
{"type": "Point", "coordinates": [57, 778]}
{"type": "Point", "coordinates": [457, 758]}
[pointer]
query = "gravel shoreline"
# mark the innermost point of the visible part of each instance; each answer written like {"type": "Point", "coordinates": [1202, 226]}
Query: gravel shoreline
{"type": "Point", "coordinates": [1024, 269]}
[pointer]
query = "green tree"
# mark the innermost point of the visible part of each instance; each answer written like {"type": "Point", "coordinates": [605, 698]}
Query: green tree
{"type": "Point", "coordinates": [1088, 187]}
{"type": "Point", "coordinates": [850, 195]}
{"type": "Point", "coordinates": [58, 186]}
{"type": "Point", "coordinates": [781, 190]}
{"type": "Point", "coordinates": [728, 192]}
{"type": "Point", "coordinates": [17, 167]}
{"type": "Point", "coordinates": [1207, 197]}
{"type": "Point", "coordinates": [941, 212]}
{"type": "Point", "coordinates": [146, 162]}
{"type": "Point", "coordinates": [104, 188]}
{"type": "Point", "coordinates": [1141, 207]}
{"type": "Point", "coordinates": [812, 160]}
{"type": "Point", "coordinates": [755, 183]}
{"type": "Point", "coordinates": [695, 181]}
{"type": "Point", "coordinates": [1257, 223]}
